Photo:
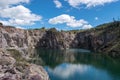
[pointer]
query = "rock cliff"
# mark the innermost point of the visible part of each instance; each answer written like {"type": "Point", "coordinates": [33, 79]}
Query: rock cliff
{"type": "Point", "coordinates": [14, 67]}
{"type": "Point", "coordinates": [103, 38]}
{"type": "Point", "coordinates": [15, 42]}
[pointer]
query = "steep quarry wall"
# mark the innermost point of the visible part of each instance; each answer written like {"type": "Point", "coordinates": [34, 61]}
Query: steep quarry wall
{"type": "Point", "coordinates": [104, 38]}
{"type": "Point", "coordinates": [15, 42]}
{"type": "Point", "coordinates": [19, 38]}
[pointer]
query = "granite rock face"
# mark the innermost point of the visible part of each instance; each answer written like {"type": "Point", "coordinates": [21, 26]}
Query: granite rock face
{"type": "Point", "coordinates": [13, 65]}
{"type": "Point", "coordinates": [56, 40]}
{"type": "Point", "coordinates": [10, 70]}
{"type": "Point", "coordinates": [104, 38]}
{"type": "Point", "coordinates": [18, 38]}
{"type": "Point", "coordinates": [37, 73]}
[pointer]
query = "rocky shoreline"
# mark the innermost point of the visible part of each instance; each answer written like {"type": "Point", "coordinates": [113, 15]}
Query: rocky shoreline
{"type": "Point", "coordinates": [104, 38]}
{"type": "Point", "coordinates": [14, 42]}
{"type": "Point", "coordinates": [12, 69]}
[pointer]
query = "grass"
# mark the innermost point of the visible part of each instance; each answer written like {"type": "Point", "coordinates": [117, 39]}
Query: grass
{"type": "Point", "coordinates": [21, 62]}
{"type": "Point", "coordinates": [15, 53]}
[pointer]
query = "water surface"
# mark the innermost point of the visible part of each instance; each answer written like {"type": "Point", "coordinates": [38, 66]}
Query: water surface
{"type": "Point", "coordinates": [78, 64]}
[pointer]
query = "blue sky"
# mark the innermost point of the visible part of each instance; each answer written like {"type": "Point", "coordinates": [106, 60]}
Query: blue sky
{"type": "Point", "coordinates": [62, 14]}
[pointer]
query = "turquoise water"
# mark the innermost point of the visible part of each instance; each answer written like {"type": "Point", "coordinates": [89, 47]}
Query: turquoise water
{"type": "Point", "coordinates": [79, 64]}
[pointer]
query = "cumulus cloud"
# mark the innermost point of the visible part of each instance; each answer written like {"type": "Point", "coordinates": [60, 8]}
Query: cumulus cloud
{"type": "Point", "coordinates": [88, 3]}
{"type": "Point", "coordinates": [87, 26]}
{"type": "Point", "coordinates": [18, 15]}
{"type": "Point", "coordinates": [57, 3]}
{"type": "Point", "coordinates": [8, 3]}
{"type": "Point", "coordinates": [13, 13]}
{"type": "Point", "coordinates": [69, 21]}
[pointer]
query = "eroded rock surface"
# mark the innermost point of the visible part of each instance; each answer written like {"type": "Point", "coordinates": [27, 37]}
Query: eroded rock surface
{"type": "Point", "coordinates": [104, 38]}
{"type": "Point", "coordinates": [10, 70]}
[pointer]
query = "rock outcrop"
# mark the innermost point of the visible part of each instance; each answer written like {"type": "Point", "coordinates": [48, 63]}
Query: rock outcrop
{"type": "Point", "coordinates": [11, 37]}
{"type": "Point", "coordinates": [11, 69]}
{"type": "Point", "coordinates": [56, 40]}
{"type": "Point", "coordinates": [104, 38]}
{"type": "Point", "coordinates": [14, 43]}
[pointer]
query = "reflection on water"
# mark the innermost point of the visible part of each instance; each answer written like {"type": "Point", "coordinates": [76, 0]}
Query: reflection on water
{"type": "Point", "coordinates": [77, 51]}
{"type": "Point", "coordinates": [68, 71]}
{"type": "Point", "coordinates": [74, 64]}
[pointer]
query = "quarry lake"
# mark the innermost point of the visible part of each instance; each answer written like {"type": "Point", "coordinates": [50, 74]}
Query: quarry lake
{"type": "Point", "coordinates": [78, 64]}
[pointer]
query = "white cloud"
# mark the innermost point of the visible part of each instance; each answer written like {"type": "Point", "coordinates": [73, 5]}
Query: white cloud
{"type": "Point", "coordinates": [12, 13]}
{"type": "Point", "coordinates": [88, 3]}
{"type": "Point", "coordinates": [87, 26]}
{"type": "Point", "coordinates": [18, 16]}
{"type": "Point", "coordinates": [57, 3]}
{"type": "Point", "coordinates": [20, 27]}
{"type": "Point", "coordinates": [64, 18]}
{"type": "Point", "coordinates": [96, 18]}
{"type": "Point", "coordinates": [8, 3]}
{"type": "Point", "coordinates": [69, 21]}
